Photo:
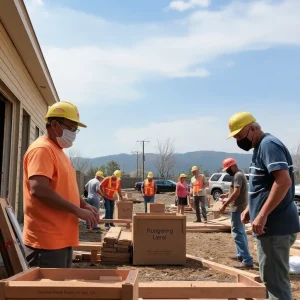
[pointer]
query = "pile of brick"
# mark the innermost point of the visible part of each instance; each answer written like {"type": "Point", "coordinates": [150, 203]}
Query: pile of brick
{"type": "Point", "coordinates": [116, 247]}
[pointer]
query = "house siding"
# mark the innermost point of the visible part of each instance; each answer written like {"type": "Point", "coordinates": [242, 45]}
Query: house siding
{"type": "Point", "coordinates": [21, 90]}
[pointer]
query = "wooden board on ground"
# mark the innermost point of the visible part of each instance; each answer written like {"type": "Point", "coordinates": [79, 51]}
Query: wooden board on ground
{"type": "Point", "coordinates": [222, 268]}
{"type": "Point", "coordinates": [207, 227]}
{"type": "Point", "coordinates": [125, 238]}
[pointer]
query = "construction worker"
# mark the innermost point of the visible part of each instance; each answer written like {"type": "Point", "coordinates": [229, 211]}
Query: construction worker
{"type": "Point", "coordinates": [108, 187]}
{"type": "Point", "coordinates": [237, 200]}
{"type": "Point", "coordinates": [271, 209]}
{"type": "Point", "coordinates": [148, 190]}
{"type": "Point", "coordinates": [52, 204]}
{"type": "Point", "coordinates": [198, 192]}
{"type": "Point", "coordinates": [94, 194]}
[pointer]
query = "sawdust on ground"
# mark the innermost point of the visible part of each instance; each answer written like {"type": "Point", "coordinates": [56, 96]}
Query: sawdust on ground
{"type": "Point", "coordinates": [217, 247]}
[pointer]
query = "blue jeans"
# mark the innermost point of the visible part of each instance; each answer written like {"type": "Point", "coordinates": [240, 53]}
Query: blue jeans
{"type": "Point", "coordinates": [273, 256]}
{"type": "Point", "coordinates": [109, 206]}
{"type": "Point", "coordinates": [240, 238]}
{"type": "Point", "coordinates": [148, 199]}
{"type": "Point", "coordinates": [95, 201]}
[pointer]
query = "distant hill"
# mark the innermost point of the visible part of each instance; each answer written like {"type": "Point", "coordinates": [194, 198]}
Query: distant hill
{"type": "Point", "coordinates": [207, 160]}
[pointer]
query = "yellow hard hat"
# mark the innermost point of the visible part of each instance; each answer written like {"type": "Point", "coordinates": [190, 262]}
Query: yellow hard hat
{"type": "Point", "coordinates": [182, 175]}
{"type": "Point", "coordinates": [194, 168]}
{"type": "Point", "coordinates": [117, 173]}
{"type": "Point", "coordinates": [65, 110]}
{"type": "Point", "coordinates": [99, 174]}
{"type": "Point", "coordinates": [238, 121]}
{"type": "Point", "coordinates": [150, 175]}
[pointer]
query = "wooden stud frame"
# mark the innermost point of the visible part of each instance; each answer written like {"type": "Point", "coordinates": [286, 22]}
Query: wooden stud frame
{"type": "Point", "coordinates": [13, 249]}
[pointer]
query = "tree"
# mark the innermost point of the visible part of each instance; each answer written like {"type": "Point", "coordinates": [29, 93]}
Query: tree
{"type": "Point", "coordinates": [92, 171]}
{"type": "Point", "coordinates": [111, 167]}
{"type": "Point", "coordinates": [166, 160]}
{"type": "Point", "coordinates": [206, 173]}
{"type": "Point", "coordinates": [79, 163]}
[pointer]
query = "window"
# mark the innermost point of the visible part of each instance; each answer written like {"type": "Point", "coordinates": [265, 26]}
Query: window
{"type": "Point", "coordinates": [227, 178]}
{"type": "Point", "coordinates": [215, 177]}
{"type": "Point", "coordinates": [37, 132]}
{"type": "Point", "coordinates": [159, 182]}
{"type": "Point", "coordinates": [169, 183]}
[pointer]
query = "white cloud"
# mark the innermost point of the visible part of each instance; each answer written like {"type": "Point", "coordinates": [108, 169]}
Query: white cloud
{"type": "Point", "coordinates": [95, 60]}
{"type": "Point", "coordinates": [186, 5]}
{"type": "Point", "coordinates": [204, 132]}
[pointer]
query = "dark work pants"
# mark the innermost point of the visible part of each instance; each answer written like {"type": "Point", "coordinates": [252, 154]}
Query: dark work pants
{"type": "Point", "coordinates": [60, 258]}
{"type": "Point", "coordinates": [198, 200]}
{"type": "Point", "coordinates": [109, 206]}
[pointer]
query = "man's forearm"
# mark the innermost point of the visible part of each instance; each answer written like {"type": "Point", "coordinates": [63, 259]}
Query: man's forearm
{"type": "Point", "coordinates": [51, 199]}
{"type": "Point", "coordinates": [82, 203]}
{"type": "Point", "coordinates": [277, 193]}
{"type": "Point", "coordinates": [232, 198]}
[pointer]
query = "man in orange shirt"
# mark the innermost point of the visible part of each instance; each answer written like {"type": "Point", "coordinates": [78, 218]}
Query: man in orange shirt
{"type": "Point", "coordinates": [52, 204]}
{"type": "Point", "coordinates": [108, 187]}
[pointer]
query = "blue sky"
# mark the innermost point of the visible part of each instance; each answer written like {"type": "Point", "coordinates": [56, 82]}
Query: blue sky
{"type": "Point", "coordinates": [158, 69]}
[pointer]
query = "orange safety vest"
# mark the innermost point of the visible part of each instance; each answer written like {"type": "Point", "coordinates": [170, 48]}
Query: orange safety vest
{"type": "Point", "coordinates": [198, 185]}
{"type": "Point", "coordinates": [149, 187]}
{"type": "Point", "coordinates": [112, 187]}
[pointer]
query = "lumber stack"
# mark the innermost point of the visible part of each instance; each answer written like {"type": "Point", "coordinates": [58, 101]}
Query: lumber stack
{"type": "Point", "coordinates": [116, 247]}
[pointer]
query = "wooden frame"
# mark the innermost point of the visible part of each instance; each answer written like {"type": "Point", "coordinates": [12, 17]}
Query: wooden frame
{"type": "Point", "coordinates": [243, 288]}
{"type": "Point", "coordinates": [38, 283]}
{"type": "Point", "coordinates": [17, 260]}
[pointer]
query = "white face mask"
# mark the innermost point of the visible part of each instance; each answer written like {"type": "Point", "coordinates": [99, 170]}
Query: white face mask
{"type": "Point", "coordinates": [67, 139]}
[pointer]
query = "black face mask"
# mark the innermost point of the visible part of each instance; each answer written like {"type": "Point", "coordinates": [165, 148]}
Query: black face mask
{"type": "Point", "coordinates": [245, 143]}
{"type": "Point", "coordinates": [230, 172]}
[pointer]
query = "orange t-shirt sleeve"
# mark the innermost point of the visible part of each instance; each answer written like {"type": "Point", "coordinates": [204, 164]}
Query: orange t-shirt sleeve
{"type": "Point", "coordinates": [39, 164]}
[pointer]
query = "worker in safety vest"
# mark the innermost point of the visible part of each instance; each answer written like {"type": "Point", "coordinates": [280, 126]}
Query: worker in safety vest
{"type": "Point", "coordinates": [108, 187]}
{"type": "Point", "coordinates": [197, 191]}
{"type": "Point", "coordinates": [148, 190]}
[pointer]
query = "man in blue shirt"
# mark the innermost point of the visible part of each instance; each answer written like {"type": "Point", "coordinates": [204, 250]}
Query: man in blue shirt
{"type": "Point", "coordinates": [271, 209]}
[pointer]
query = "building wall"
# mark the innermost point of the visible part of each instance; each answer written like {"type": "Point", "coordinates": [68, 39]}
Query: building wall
{"type": "Point", "coordinates": [17, 86]}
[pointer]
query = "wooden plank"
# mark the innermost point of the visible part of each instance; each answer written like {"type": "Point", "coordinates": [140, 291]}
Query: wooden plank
{"type": "Point", "coordinates": [120, 221]}
{"type": "Point", "coordinates": [223, 268]}
{"type": "Point", "coordinates": [115, 255]}
{"type": "Point", "coordinates": [88, 246]}
{"type": "Point", "coordinates": [108, 250]}
{"type": "Point", "coordinates": [112, 235]}
{"type": "Point", "coordinates": [198, 289]}
{"type": "Point", "coordinates": [125, 238]}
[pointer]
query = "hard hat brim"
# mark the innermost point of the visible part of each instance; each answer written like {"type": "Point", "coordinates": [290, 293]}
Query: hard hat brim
{"type": "Point", "coordinates": [82, 125]}
{"type": "Point", "coordinates": [233, 133]}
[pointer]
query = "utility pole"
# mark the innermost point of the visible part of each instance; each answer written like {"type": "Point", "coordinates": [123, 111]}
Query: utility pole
{"type": "Point", "coordinates": [143, 157]}
{"type": "Point", "coordinates": [137, 162]}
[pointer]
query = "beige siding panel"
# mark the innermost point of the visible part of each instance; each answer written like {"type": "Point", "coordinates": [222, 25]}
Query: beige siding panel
{"type": "Point", "coordinates": [17, 79]}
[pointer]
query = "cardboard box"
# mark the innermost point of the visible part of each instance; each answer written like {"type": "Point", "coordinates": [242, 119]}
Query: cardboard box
{"type": "Point", "coordinates": [159, 239]}
{"type": "Point", "coordinates": [124, 209]}
{"type": "Point", "coordinates": [155, 207]}
{"type": "Point", "coordinates": [37, 283]}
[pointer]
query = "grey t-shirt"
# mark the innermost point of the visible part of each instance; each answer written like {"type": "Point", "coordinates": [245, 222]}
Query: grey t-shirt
{"type": "Point", "coordinates": [239, 180]}
{"type": "Point", "coordinates": [93, 186]}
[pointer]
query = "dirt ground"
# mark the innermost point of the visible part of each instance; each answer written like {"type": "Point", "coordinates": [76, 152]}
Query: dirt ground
{"type": "Point", "coordinates": [217, 247]}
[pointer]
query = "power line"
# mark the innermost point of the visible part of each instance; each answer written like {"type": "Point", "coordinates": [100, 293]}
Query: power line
{"type": "Point", "coordinates": [143, 157]}
{"type": "Point", "coordinates": [137, 162]}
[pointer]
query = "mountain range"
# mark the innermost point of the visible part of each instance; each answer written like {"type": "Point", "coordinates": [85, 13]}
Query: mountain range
{"type": "Point", "coordinates": [211, 161]}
